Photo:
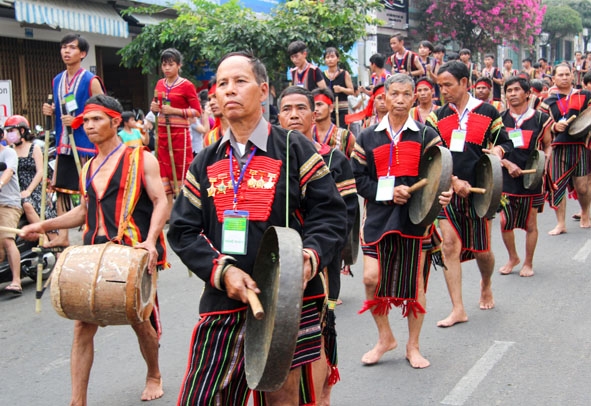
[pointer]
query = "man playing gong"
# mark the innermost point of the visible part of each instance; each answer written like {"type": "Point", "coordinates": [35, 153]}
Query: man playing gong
{"type": "Point", "coordinates": [385, 163]}
{"type": "Point", "coordinates": [245, 181]}
{"type": "Point", "coordinates": [470, 128]}
{"type": "Point", "coordinates": [103, 182]}
{"type": "Point", "coordinates": [529, 130]}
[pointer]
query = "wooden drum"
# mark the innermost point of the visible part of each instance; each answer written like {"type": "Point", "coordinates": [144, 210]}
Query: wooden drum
{"type": "Point", "coordinates": [105, 284]}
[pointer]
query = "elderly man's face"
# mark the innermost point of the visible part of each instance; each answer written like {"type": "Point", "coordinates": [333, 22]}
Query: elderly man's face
{"type": "Point", "coordinates": [295, 113]}
{"type": "Point", "coordinates": [399, 99]}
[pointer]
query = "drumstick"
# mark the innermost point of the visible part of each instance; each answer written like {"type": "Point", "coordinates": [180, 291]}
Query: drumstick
{"type": "Point", "coordinates": [570, 119]}
{"type": "Point", "coordinates": [478, 190]}
{"type": "Point", "coordinates": [255, 304]}
{"type": "Point", "coordinates": [10, 230]}
{"type": "Point", "coordinates": [419, 185]}
{"type": "Point", "coordinates": [528, 171]}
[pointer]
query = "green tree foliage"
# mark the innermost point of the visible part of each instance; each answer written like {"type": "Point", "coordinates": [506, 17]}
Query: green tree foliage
{"type": "Point", "coordinates": [204, 31]}
{"type": "Point", "coordinates": [561, 20]}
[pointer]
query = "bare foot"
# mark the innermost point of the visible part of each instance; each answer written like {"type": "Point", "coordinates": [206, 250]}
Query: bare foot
{"type": "Point", "coordinates": [526, 271]}
{"type": "Point", "coordinates": [415, 359]}
{"type": "Point", "coordinates": [487, 301]}
{"type": "Point", "coordinates": [557, 231]}
{"type": "Point", "coordinates": [153, 389]}
{"type": "Point", "coordinates": [373, 356]}
{"type": "Point", "coordinates": [508, 267]}
{"type": "Point", "coordinates": [453, 318]}
{"type": "Point", "coordinates": [585, 224]}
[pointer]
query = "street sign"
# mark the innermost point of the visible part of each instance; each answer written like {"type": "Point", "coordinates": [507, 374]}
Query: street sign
{"type": "Point", "coordinates": [5, 100]}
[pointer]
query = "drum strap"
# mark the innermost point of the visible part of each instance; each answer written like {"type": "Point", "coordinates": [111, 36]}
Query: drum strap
{"type": "Point", "coordinates": [130, 198]}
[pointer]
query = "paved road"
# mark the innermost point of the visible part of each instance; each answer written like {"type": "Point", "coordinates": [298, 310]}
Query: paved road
{"type": "Point", "coordinates": [534, 348]}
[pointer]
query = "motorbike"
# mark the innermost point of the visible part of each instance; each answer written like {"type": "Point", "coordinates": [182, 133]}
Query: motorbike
{"type": "Point", "coordinates": [28, 249]}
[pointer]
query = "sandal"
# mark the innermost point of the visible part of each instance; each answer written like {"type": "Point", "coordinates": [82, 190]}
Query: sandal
{"type": "Point", "coordinates": [14, 289]}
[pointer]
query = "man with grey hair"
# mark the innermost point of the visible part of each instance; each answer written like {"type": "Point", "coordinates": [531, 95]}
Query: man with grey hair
{"type": "Point", "coordinates": [240, 183]}
{"type": "Point", "coordinates": [395, 251]}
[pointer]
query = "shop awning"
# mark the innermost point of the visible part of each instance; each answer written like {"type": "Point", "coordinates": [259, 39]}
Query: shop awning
{"type": "Point", "coordinates": [72, 15]}
{"type": "Point", "coordinates": [147, 19]}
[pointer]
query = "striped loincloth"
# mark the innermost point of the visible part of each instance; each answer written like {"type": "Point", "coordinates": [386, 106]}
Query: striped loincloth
{"type": "Point", "coordinates": [516, 209]}
{"type": "Point", "coordinates": [567, 161]}
{"type": "Point", "coordinates": [471, 229]}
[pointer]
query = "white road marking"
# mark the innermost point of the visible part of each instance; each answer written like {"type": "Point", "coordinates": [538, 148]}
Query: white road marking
{"type": "Point", "coordinates": [464, 388]}
{"type": "Point", "coordinates": [583, 253]}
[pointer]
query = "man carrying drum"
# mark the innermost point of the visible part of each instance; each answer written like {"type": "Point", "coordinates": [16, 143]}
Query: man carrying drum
{"type": "Point", "coordinates": [470, 128]}
{"type": "Point", "coordinates": [529, 130]}
{"type": "Point", "coordinates": [385, 163]}
{"type": "Point", "coordinates": [570, 165]}
{"type": "Point", "coordinates": [245, 182]}
{"type": "Point", "coordinates": [103, 183]}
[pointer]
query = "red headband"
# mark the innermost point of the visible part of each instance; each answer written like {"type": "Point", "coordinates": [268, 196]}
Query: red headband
{"type": "Point", "coordinates": [323, 98]}
{"type": "Point", "coordinates": [212, 90]}
{"type": "Point", "coordinates": [381, 90]}
{"type": "Point", "coordinates": [424, 82]}
{"type": "Point", "coordinates": [485, 83]}
{"type": "Point", "coordinates": [79, 120]}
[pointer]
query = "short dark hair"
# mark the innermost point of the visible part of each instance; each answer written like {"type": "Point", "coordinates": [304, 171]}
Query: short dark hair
{"type": "Point", "coordinates": [587, 78]}
{"type": "Point", "coordinates": [465, 51]}
{"type": "Point", "coordinates": [523, 83]}
{"type": "Point", "coordinates": [323, 91]}
{"type": "Point", "coordinates": [527, 60]}
{"type": "Point", "coordinates": [106, 101]}
{"type": "Point", "coordinates": [295, 47]}
{"type": "Point", "coordinates": [82, 42]}
{"type": "Point", "coordinates": [455, 68]}
{"type": "Point", "coordinates": [126, 116]}
{"type": "Point", "coordinates": [489, 56]}
{"type": "Point", "coordinates": [171, 55]}
{"type": "Point", "coordinates": [438, 48]}
{"type": "Point", "coordinates": [507, 60]}
{"type": "Point", "coordinates": [562, 64]}
{"type": "Point", "coordinates": [426, 44]}
{"type": "Point", "coordinates": [398, 36]}
{"type": "Point", "coordinates": [537, 84]}
{"type": "Point", "coordinates": [453, 56]}
{"type": "Point", "coordinates": [258, 68]}
{"type": "Point", "coordinates": [543, 59]}
{"type": "Point", "coordinates": [536, 65]}
{"type": "Point", "coordinates": [297, 90]}
{"type": "Point", "coordinates": [378, 60]}
{"type": "Point", "coordinates": [331, 50]}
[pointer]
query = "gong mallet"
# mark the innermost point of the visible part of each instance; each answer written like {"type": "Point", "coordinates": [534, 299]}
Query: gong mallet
{"type": "Point", "coordinates": [170, 153]}
{"type": "Point", "coordinates": [39, 248]}
{"type": "Point", "coordinates": [255, 304]}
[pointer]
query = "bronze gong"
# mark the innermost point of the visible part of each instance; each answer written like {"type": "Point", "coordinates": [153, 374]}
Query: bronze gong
{"type": "Point", "coordinates": [534, 169]}
{"type": "Point", "coordinates": [270, 342]}
{"type": "Point", "coordinates": [489, 185]}
{"type": "Point", "coordinates": [436, 167]}
{"type": "Point", "coordinates": [580, 125]}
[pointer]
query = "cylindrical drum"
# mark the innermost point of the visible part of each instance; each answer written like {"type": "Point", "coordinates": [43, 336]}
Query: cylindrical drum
{"type": "Point", "coordinates": [105, 284]}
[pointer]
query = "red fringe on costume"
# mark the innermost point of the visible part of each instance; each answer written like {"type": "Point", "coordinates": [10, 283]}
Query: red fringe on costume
{"type": "Point", "coordinates": [381, 306]}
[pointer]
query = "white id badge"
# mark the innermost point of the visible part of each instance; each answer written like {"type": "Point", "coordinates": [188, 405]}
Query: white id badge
{"type": "Point", "coordinates": [517, 137]}
{"type": "Point", "coordinates": [71, 104]}
{"type": "Point", "coordinates": [385, 188]}
{"type": "Point", "coordinates": [458, 139]}
{"type": "Point", "coordinates": [235, 232]}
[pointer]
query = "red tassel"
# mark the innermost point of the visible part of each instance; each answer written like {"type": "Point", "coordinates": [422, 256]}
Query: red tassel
{"type": "Point", "coordinates": [334, 376]}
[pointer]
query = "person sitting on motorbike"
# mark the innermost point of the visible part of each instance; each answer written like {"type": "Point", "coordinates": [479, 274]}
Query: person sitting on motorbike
{"type": "Point", "coordinates": [30, 171]}
{"type": "Point", "coordinates": [10, 210]}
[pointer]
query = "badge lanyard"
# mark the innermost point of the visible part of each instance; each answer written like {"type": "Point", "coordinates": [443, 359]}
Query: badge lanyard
{"type": "Point", "coordinates": [236, 184]}
{"type": "Point", "coordinates": [401, 63]}
{"type": "Point", "coordinates": [561, 106]}
{"type": "Point", "coordinates": [89, 181]}
{"type": "Point", "coordinates": [169, 88]}
{"type": "Point", "coordinates": [301, 82]}
{"type": "Point", "coordinates": [71, 81]}
{"type": "Point", "coordinates": [394, 142]}
{"type": "Point", "coordinates": [327, 133]}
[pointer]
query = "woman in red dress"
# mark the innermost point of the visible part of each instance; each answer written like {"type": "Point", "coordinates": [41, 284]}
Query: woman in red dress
{"type": "Point", "coordinates": [176, 100]}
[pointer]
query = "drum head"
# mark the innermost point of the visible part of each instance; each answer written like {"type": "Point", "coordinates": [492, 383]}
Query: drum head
{"type": "Point", "coordinates": [269, 344]}
{"type": "Point", "coordinates": [349, 254]}
{"type": "Point", "coordinates": [579, 128]}
{"type": "Point", "coordinates": [537, 161]}
{"type": "Point", "coordinates": [489, 176]}
{"type": "Point", "coordinates": [436, 166]}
